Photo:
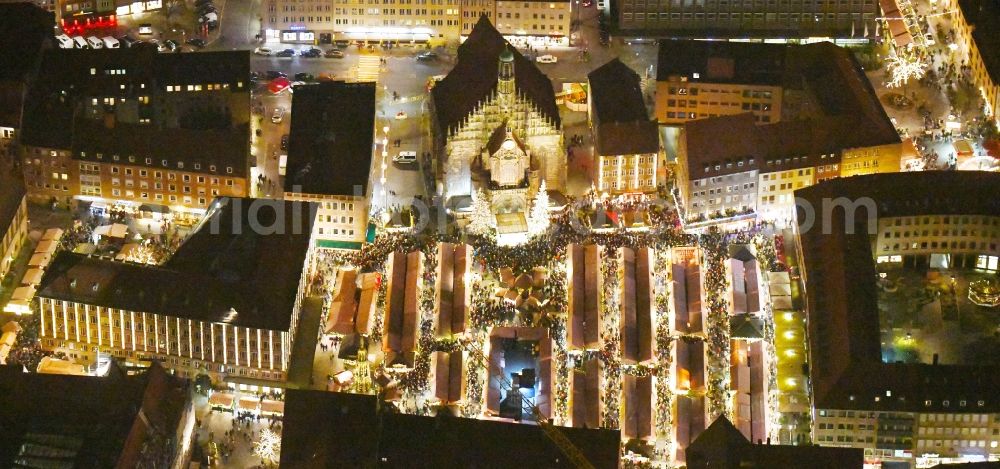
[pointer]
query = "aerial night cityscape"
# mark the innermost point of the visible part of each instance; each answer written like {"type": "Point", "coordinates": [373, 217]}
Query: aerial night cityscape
{"type": "Point", "coordinates": [443, 233]}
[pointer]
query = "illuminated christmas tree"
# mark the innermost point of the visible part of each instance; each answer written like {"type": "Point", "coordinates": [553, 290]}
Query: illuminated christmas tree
{"type": "Point", "coordinates": [483, 223]}
{"type": "Point", "coordinates": [268, 446]}
{"type": "Point", "coordinates": [538, 217]}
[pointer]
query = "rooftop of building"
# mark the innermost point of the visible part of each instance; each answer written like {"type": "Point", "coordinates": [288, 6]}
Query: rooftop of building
{"type": "Point", "coordinates": [11, 194]}
{"type": "Point", "coordinates": [619, 112]}
{"type": "Point", "coordinates": [241, 266]}
{"type": "Point", "coordinates": [984, 15]}
{"type": "Point", "coordinates": [341, 430]}
{"type": "Point", "coordinates": [332, 139]}
{"type": "Point", "coordinates": [847, 370]}
{"type": "Point", "coordinates": [722, 445]}
{"type": "Point", "coordinates": [24, 29]}
{"type": "Point", "coordinates": [850, 114]}
{"type": "Point", "coordinates": [736, 143]}
{"type": "Point", "coordinates": [475, 74]}
{"type": "Point", "coordinates": [54, 112]}
{"type": "Point", "coordinates": [617, 96]}
{"type": "Point", "coordinates": [85, 421]}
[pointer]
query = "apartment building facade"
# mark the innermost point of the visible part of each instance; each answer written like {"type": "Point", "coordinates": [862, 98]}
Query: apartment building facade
{"type": "Point", "coordinates": [845, 21]}
{"type": "Point", "coordinates": [434, 22]}
{"type": "Point", "coordinates": [472, 10]}
{"type": "Point", "coordinates": [136, 133]}
{"type": "Point", "coordinates": [535, 22]}
{"type": "Point", "coordinates": [627, 142]}
{"type": "Point", "coordinates": [917, 414]}
{"type": "Point", "coordinates": [732, 167]}
{"type": "Point", "coordinates": [969, 241]}
{"type": "Point", "coordinates": [331, 159]}
{"type": "Point", "coordinates": [760, 121]}
{"type": "Point", "coordinates": [13, 218]}
{"type": "Point", "coordinates": [191, 319]}
{"type": "Point", "coordinates": [775, 82]}
{"type": "Point", "coordinates": [977, 28]}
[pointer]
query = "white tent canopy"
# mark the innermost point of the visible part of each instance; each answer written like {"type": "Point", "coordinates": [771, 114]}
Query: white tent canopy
{"type": "Point", "coordinates": [32, 277]}
{"type": "Point", "coordinates": [52, 234]}
{"type": "Point", "coordinates": [46, 246]}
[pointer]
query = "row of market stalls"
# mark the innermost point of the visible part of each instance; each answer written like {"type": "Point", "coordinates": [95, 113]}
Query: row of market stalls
{"type": "Point", "coordinates": [453, 296]}
{"type": "Point", "coordinates": [748, 376]}
{"type": "Point", "coordinates": [224, 401]}
{"type": "Point", "coordinates": [8, 339]}
{"type": "Point", "coordinates": [20, 302]}
{"type": "Point", "coordinates": [586, 289]}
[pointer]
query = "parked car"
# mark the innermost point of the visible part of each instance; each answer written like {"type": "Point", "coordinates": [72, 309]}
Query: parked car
{"type": "Point", "coordinates": [197, 42]}
{"type": "Point", "coordinates": [94, 42]}
{"type": "Point", "coordinates": [426, 56]}
{"type": "Point", "coordinates": [170, 44]}
{"type": "Point", "coordinates": [279, 114]}
{"type": "Point", "coordinates": [284, 142]}
{"type": "Point", "coordinates": [930, 39]}
{"type": "Point", "coordinates": [405, 157]}
{"type": "Point", "coordinates": [312, 53]}
{"type": "Point", "coordinates": [65, 42]}
{"type": "Point", "coordinates": [80, 42]}
{"type": "Point", "coordinates": [126, 41]}
{"type": "Point", "coordinates": [303, 76]}
{"type": "Point", "coordinates": [210, 17]}
{"type": "Point", "coordinates": [272, 74]}
{"type": "Point", "coordinates": [335, 54]}
{"type": "Point", "coordinates": [263, 51]}
{"type": "Point", "coordinates": [547, 59]}
{"type": "Point", "coordinates": [285, 53]}
{"type": "Point", "coordinates": [111, 43]}
{"type": "Point", "coordinates": [145, 29]}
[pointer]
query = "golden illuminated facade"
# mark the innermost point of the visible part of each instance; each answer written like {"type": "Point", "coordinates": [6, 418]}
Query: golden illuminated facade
{"type": "Point", "coordinates": [976, 24]}
{"type": "Point", "coordinates": [139, 132]}
{"type": "Point", "coordinates": [870, 160]}
{"type": "Point", "coordinates": [323, 22]}
{"type": "Point", "coordinates": [55, 173]}
{"type": "Point", "coordinates": [189, 347]}
{"type": "Point", "coordinates": [679, 101]}
{"type": "Point", "coordinates": [14, 222]}
{"type": "Point", "coordinates": [236, 325]}
{"type": "Point", "coordinates": [548, 21]}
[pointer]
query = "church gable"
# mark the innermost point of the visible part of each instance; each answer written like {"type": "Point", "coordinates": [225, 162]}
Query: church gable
{"type": "Point", "coordinates": [508, 160]}
{"type": "Point", "coordinates": [474, 80]}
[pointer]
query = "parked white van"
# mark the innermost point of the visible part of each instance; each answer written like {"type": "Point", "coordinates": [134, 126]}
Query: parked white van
{"type": "Point", "coordinates": [111, 43]}
{"type": "Point", "coordinates": [80, 42]}
{"type": "Point", "coordinates": [65, 42]}
{"type": "Point", "coordinates": [94, 42]}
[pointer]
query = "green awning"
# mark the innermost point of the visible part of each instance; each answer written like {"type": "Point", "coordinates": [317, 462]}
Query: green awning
{"type": "Point", "coordinates": [332, 244]}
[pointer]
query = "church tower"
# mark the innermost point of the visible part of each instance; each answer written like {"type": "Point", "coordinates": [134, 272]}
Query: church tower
{"type": "Point", "coordinates": [505, 81]}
